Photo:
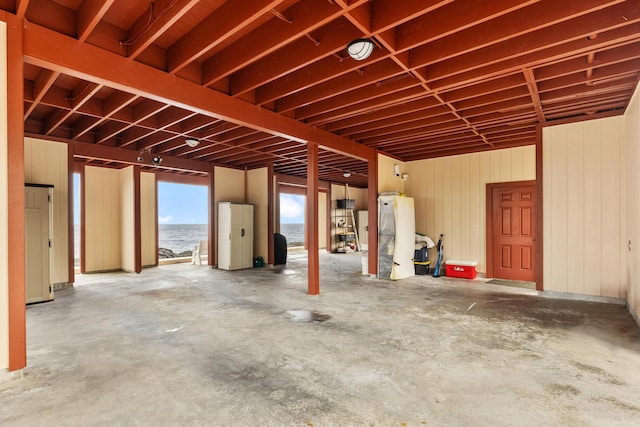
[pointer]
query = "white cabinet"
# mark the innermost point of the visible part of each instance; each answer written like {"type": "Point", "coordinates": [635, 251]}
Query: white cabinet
{"type": "Point", "coordinates": [235, 236]}
{"type": "Point", "coordinates": [38, 232]}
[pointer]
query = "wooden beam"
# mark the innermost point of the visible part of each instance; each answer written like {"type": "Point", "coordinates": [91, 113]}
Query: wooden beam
{"type": "Point", "coordinates": [43, 83]}
{"type": "Point", "coordinates": [536, 44]}
{"type": "Point", "coordinates": [123, 155]}
{"type": "Point", "coordinates": [143, 33]}
{"type": "Point", "coordinates": [216, 29]}
{"type": "Point", "coordinates": [182, 178]}
{"type": "Point", "coordinates": [81, 94]}
{"type": "Point", "coordinates": [89, 15]}
{"type": "Point", "coordinates": [111, 105]}
{"type": "Point", "coordinates": [21, 8]}
{"type": "Point", "coordinates": [311, 222]}
{"type": "Point", "coordinates": [48, 49]}
{"type": "Point", "coordinates": [268, 39]}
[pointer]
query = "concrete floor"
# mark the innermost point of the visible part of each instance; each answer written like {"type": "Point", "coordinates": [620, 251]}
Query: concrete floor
{"type": "Point", "coordinates": [186, 345]}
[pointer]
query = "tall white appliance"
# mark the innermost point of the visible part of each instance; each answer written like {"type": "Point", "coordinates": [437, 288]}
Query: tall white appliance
{"type": "Point", "coordinates": [235, 236]}
{"type": "Point", "coordinates": [396, 237]}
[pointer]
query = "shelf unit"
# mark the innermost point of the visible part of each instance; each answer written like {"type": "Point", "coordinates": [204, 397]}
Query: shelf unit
{"type": "Point", "coordinates": [345, 233]}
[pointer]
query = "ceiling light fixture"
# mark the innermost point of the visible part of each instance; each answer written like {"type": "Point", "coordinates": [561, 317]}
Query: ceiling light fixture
{"type": "Point", "coordinates": [360, 49]}
{"type": "Point", "coordinates": [192, 142]}
{"type": "Point", "coordinates": [157, 160]}
{"type": "Point", "coordinates": [346, 174]}
{"type": "Point", "coordinates": [143, 151]}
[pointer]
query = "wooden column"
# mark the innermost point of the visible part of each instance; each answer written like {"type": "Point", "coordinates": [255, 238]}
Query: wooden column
{"type": "Point", "coordinates": [137, 220]}
{"type": "Point", "coordinates": [372, 197]}
{"type": "Point", "coordinates": [311, 222]}
{"type": "Point", "coordinates": [212, 217]}
{"type": "Point", "coordinates": [15, 196]}
{"type": "Point", "coordinates": [539, 213]}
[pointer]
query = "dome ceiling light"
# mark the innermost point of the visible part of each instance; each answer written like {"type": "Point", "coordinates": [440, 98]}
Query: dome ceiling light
{"type": "Point", "coordinates": [360, 49]}
{"type": "Point", "coordinates": [192, 142]}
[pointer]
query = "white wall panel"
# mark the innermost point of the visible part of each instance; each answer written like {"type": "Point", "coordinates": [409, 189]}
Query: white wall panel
{"type": "Point", "coordinates": [584, 213]}
{"type": "Point", "coordinates": [450, 193]}
{"type": "Point", "coordinates": [258, 196]}
{"type": "Point", "coordinates": [149, 217]}
{"type": "Point", "coordinates": [127, 224]}
{"type": "Point", "coordinates": [229, 187]}
{"type": "Point", "coordinates": [102, 219]}
{"type": "Point", "coordinates": [386, 179]}
{"type": "Point", "coordinates": [632, 199]}
{"type": "Point", "coordinates": [45, 162]}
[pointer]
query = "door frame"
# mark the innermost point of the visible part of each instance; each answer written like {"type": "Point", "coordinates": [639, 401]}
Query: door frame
{"type": "Point", "coordinates": [489, 219]}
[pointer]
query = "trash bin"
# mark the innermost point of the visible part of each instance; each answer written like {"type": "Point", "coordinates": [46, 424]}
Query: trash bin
{"type": "Point", "coordinates": [365, 263]}
{"type": "Point", "coordinates": [279, 249]}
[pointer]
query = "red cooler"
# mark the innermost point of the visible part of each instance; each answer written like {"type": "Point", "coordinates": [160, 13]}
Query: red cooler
{"type": "Point", "coordinates": [461, 269]}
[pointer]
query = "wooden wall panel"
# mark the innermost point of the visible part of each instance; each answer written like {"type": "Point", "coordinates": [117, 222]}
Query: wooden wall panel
{"type": "Point", "coordinates": [631, 195]}
{"type": "Point", "coordinates": [575, 212]}
{"type": "Point", "coordinates": [229, 187]}
{"type": "Point", "coordinates": [258, 195]}
{"type": "Point", "coordinates": [102, 219]}
{"type": "Point", "coordinates": [322, 220]}
{"type": "Point", "coordinates": [386, 179]}
{"type": "Point", "coordinates": [584, 215]}
{"type": "Point", "coordinates": [45, 162]}
{"type": "Point", "coordinates": [149, 217]}
{"type": "Point", "coordinates": [127, 224]}
{"type": "Point", "coordinates": [450, 192]}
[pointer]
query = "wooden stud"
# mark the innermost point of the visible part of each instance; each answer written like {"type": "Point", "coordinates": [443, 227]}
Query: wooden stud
{"type": "Point", "coordinates": [311, 222]}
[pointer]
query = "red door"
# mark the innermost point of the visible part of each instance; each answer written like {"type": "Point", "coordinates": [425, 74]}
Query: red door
{"type": "Point", "coordinates": [514, 232]}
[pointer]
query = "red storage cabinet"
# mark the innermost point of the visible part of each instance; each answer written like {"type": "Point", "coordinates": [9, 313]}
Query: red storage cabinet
{"type": "Point", "coordinates": [461, 269]}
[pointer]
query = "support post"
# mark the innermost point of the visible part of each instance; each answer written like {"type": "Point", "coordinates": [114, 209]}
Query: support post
{"type": "Point", "coordinates": [15, 196]}
{"type": "Point", "coordinates": [311, 222]}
